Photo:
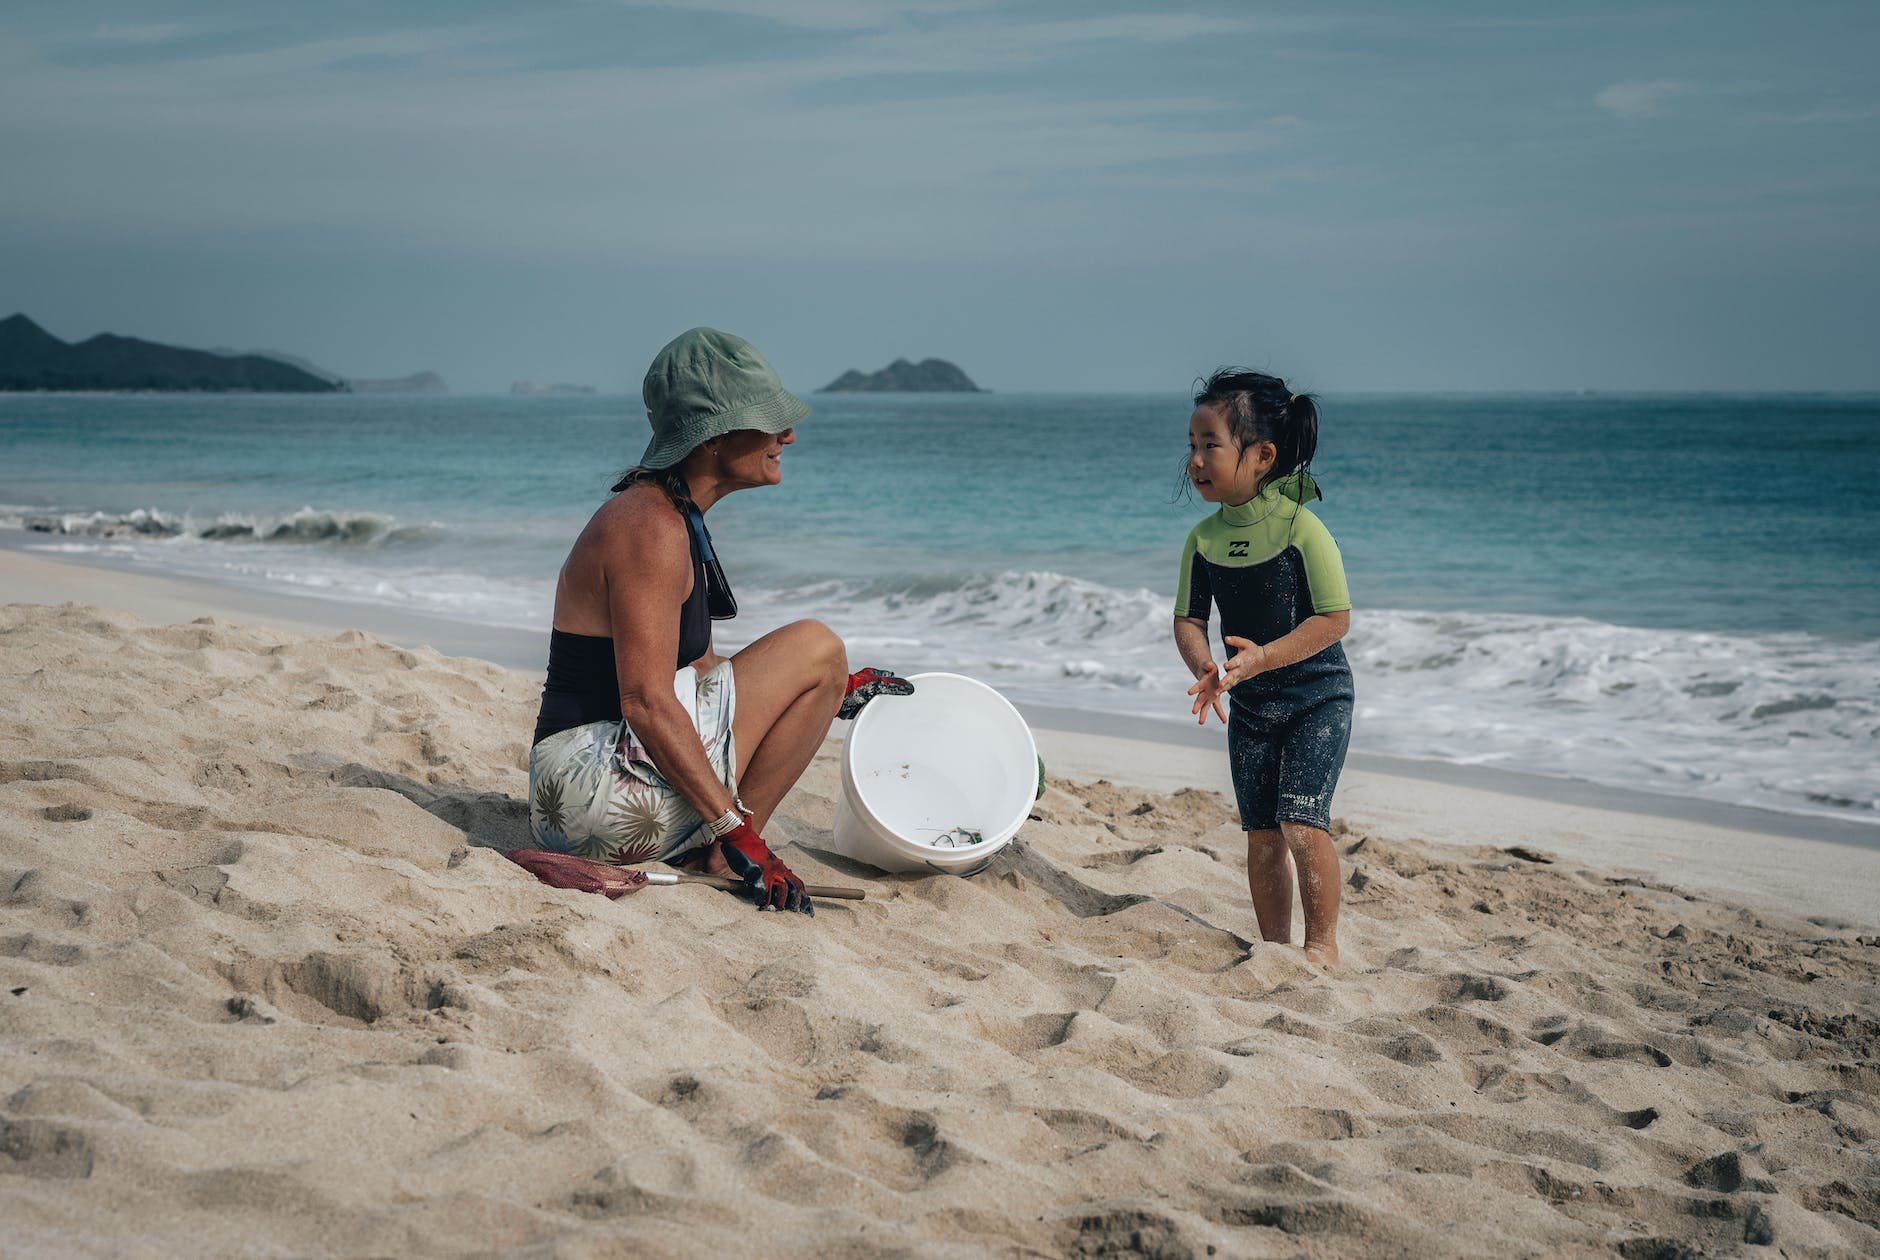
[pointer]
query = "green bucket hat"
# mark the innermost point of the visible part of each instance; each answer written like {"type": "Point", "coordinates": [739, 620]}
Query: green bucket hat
{"type": "Point", "coordinates": [706, 383]}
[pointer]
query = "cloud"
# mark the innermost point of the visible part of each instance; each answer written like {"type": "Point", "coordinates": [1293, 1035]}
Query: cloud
{"type": "Point", "coordinates": [151, 33]}
{"type": "Point", "coordinates": [822, 15]}
{"type": "Point", "coordinates": [1823, 115]}
{"type": "Point", "coordinates": [1639, 99]}
{"type": "Point", "coordinates": [923, 18]}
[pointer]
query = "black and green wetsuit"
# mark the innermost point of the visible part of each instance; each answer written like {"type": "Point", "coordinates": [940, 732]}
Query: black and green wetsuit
{"type": "Point", "coordinates": [1268, 564]}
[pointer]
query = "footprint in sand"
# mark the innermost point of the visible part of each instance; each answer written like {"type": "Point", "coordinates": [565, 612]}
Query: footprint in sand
{"type": "Point", "coordinates": [1178, 1074]}
{"type": "Point", "coordinates": [39, 1148]}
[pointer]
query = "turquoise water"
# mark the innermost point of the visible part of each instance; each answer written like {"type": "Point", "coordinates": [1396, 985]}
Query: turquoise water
{"type": "Point", "coordinates": [1669, 592]}
{"type": "Point", "coordinates": [1711, 513]}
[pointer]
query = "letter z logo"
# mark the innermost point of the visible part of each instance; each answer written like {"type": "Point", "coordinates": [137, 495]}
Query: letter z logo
{"type": "Point", "coordinates": [1237, 548]}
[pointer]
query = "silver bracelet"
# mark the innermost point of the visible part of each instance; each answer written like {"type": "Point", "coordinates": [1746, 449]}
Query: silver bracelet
{"type": "Point", "coordinates": [726, 823]}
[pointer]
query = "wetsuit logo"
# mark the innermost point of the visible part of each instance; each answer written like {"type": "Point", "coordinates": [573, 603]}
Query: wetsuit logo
{"type": "Point", "coordinates": [1237, 548]}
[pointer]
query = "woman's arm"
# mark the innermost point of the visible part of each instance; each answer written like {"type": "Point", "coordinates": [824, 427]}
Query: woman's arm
{"type": "Point", "coordinates": [647, 567]}
{"type": "Point", "coordinates": [1307, 639]}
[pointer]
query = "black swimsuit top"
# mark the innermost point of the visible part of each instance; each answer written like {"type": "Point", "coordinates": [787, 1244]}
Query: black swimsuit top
{"type": "Point", "coordinates": [583, 686]}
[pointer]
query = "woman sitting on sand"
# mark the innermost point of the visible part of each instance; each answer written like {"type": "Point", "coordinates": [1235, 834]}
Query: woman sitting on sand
{"type": "Point", "coordinates": [630, 758]}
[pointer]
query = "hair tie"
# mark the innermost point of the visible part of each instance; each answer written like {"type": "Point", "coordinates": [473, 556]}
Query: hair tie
{"type": "Point", "coordinates": [1293, 399]}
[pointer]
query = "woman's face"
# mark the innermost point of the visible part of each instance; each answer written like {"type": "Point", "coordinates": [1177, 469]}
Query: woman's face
{"type": "Point", "coordinates": [1221, 471]}
{"type": "Point", "coordinates": [749, 457]}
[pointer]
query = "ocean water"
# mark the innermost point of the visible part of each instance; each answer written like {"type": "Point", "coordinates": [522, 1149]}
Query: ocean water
{"type": "Point", "coordinates": [1671, 593]}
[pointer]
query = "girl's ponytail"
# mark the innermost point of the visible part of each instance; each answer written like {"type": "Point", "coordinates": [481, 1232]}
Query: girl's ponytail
{"type": "Point", "coordinates": [1300, 435]}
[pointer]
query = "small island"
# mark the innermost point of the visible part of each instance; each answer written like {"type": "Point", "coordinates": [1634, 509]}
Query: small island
{"type": "Point", "coordinates": [929, 376]}
{"type": "Point", "coordinates": [33, 359]}
{"type": "Point", "coordinates": [416, 383]}
{"type": "Point", "coordinates": [558, 387]}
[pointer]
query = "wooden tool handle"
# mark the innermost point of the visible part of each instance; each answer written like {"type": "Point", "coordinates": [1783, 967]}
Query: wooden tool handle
{"type": "Point", "coordinates": [829, 892]}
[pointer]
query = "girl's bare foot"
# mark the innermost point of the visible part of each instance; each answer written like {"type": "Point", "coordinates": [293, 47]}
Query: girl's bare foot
{"type": "Point", "coordinates": [1317, 863]}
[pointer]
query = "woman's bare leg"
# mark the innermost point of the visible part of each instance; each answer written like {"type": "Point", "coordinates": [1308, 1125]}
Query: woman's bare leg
{"type": "Point", "coordinates": [1269, 879]}
{"type": "Point", "coordinates": [790, 684]}
{"type": "Point", "coordinates": [1317, 862]}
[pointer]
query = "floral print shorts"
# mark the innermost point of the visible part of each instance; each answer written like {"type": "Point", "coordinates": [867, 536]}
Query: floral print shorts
{"type": "Point", "coordinates": [593, 790]}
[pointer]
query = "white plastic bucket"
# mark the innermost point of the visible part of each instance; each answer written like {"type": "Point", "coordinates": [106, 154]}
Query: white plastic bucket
{"type": "Point", "coordinates": [922, 773]}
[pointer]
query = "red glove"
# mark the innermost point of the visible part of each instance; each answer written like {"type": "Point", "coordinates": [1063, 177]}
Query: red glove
{"type": "Point", "coordinates": [772, 884]}
{"type": "Point", "coordinates": [865, 685]}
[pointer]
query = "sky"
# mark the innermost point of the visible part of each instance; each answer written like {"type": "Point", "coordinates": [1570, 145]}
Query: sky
{"type": "Point", "coordinates": [1076, 196]}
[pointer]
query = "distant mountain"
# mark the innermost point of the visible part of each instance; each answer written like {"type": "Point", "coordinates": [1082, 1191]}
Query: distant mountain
{"type": "Point", "coordinates": [416, 383]}
{"type": "Point", "coordinates": [33, 359]}
{"type": "Point", "coordinates": [929, 376]}
{"type": "Point", "coordinates": [292, 360]}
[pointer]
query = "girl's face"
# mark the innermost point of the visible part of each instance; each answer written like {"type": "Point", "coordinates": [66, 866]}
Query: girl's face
{"type": "Point", "coordinates": [1221, 471]}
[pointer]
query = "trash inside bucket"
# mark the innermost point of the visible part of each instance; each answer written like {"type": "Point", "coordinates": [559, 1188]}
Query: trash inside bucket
{"type": "Point", "coordinates": [940, 780]}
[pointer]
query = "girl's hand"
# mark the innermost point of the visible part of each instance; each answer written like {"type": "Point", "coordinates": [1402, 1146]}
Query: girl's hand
{"type": "Point", "coordinates": [1207, 692]}
{"type": "Point", "coordinates": [1243, 664]}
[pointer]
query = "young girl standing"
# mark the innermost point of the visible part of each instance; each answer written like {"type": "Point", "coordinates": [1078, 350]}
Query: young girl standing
{"type": "Point", "coordinates": [1274, 572]}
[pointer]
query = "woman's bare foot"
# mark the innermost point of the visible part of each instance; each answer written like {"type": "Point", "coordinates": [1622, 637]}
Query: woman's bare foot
{"type": "Point", "coordinates": [1324, 953]}
{"type": "Point", "coordinates": [710, 859]}
{"type": "Point", "coordinates": [715, 863]}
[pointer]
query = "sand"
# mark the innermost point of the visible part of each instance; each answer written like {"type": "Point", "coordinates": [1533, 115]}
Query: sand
{"type": "Point", "coordinates": [268, 987]}
{"type": "Point", "coordinates": [1812, 868]}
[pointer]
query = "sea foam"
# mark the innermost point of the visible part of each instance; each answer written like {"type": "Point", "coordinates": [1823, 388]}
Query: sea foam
{"type": "Point", "coordinates": [307, 525]}
{"type": "Point", "coordinates": [1783, 721]}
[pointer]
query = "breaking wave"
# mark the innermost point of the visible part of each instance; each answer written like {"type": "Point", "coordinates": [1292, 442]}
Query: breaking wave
{"type": "Point", "coordinates": [1781, 721]}
{"type": "Point", "coordinates": [307, 525]}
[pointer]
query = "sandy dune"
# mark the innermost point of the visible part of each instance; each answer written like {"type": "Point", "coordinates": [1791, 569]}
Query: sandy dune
{"type": "Point", "coordinates": [269, 990]}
